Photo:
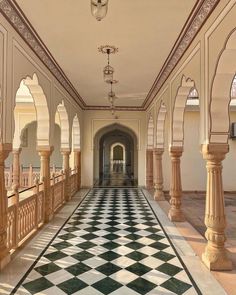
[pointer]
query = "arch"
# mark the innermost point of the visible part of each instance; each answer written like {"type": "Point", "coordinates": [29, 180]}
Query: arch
{"type": "Point", "coordinates": [160, 133]}
{"type": "Point", "coordinates": [41, 106]}
{"type": "Point", "coordinates": [112, 131]}
{"type": "Point", "coordinates": [76, 133]}
{"type": "Point", "coordinates": [62, 115]}
{"type": "Point", "coordinates": [178, 113]}
{"type": "Point", "coordinates": [221, 91]}
{"type": "Point", "coordinates": [150, 133]}
{"type": "Point", "coordinates": [118, 144]}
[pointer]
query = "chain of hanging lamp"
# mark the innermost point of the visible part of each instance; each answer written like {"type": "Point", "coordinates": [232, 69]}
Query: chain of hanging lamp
{"type": "Point", "coordinates": [108, 73]}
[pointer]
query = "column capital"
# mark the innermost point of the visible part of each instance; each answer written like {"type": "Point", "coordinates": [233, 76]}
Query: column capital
{"type": "Point", "coordinates": [76, 150]}
{"type": "Point", "coordinates": [158, 151]}
{"type": "Point", "coordinates": [214, 151]}
{"type": "Point", "coordinates": [16, 150]}
{"type": "Point", "coordinates": [45, 150]}
{"type": "Point", "coordinates": [65, 151]}
{"type": "Point", "coordinates": [5, 149]}
{"type": "Point", "coordinates": [175, 151]}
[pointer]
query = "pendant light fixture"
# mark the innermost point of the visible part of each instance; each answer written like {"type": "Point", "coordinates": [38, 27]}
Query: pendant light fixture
{"type": "Point", "coordinates": [99, 9]}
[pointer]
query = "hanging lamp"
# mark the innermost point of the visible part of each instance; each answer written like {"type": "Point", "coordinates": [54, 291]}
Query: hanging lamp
{"type": "Point", "coordinates": [99, 9]}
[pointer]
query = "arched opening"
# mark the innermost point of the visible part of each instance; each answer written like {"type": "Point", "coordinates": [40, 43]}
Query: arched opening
{"type": "Point", "coordinates": [109, 171]}
{"type": "Point", "coordinates": [221, 92]}
{"type": "Point", "coordinates": [118, 157]}
{"type": "Point", "coordinates": [31, 118]}
{"type": "Point", "coordinates": [75, 141]}
{"type": "Point", "coordinates": [160, 132]}
{"type": "Point", "coordinates": [149, 152]}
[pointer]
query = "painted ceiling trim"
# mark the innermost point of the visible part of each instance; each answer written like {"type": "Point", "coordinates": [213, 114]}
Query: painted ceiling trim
{"type": "Point", "coordinates": [15, 16]}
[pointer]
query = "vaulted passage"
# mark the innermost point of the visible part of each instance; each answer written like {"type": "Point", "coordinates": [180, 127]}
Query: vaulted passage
{"type": "Point", "coordinates": [115, 157]}
{"type": "Point", "coordinates": [112, 244]}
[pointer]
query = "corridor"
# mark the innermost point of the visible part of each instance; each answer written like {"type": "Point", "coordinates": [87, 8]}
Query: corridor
{"type": "Point", "coordinates": [112, 244]}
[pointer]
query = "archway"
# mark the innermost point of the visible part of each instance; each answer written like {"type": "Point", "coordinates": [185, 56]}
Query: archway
{"type": "Point", "coordinates": [118, 157]}
{"type": "Point", "coordinates": [149, 152]}
{"type": "Point", "coordinates": [30, 108]}
{"type": "Point", "coordinates": [221, 92]}
{"type": "Point", "coordinates": [104, 141]}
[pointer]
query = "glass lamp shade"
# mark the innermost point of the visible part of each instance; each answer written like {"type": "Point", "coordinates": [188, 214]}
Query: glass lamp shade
{"type": "Point", "coordinates": [108, 73]}
{"type": "Point", "coordinates": [99, 8]}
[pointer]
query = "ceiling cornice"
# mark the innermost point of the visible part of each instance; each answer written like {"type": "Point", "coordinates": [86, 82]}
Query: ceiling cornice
{"type": "Point", "coordinates": [15, 16]}
{"type": "Point", "coordinates": [198, 16]}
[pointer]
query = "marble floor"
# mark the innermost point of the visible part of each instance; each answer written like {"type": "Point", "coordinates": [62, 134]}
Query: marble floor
{"type": "Point", "coordinates": [117, 241]}
{"type": "Point", "coordinates": [112, 244]}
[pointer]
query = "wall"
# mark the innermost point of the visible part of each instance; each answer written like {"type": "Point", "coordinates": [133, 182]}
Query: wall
{"type": "Point", "coordinates": [193, 170]}
{"type": "Point", "coordinates": [94, 121]}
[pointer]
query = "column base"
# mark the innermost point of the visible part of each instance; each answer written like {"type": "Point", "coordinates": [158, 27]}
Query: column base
{"type": "Point", "coordinates": [216, 260]}
{"type": "Point", "coordinates": [4, 261]}
{"type": "Point", "coordinates": [176, 215]}
{"type": "Point", "coordinates": [159, 195]}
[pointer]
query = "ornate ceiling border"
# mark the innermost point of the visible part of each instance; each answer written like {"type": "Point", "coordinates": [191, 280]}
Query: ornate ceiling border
{"type": "Point", "coordinates": [21, 24]}
{"type": "Point", "coordinates": [201, 11]}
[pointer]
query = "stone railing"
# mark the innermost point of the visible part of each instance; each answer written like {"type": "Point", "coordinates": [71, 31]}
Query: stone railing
{"type": "Point", "coordinates": [26, 208]}
{"type": "Point", "coordinates": [27, 176]}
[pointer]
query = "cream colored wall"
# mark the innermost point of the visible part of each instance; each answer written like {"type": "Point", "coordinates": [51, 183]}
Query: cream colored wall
{"type": "Point", "coordinates": [94, 121]}
{"type": "Point", "coordinates": [193, 170]}
{"type": "Point", "coordinates": [18, 63]}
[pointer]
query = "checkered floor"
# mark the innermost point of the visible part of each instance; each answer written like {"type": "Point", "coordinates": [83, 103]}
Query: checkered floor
{"type": "Point", "coordinates": [112, 244]}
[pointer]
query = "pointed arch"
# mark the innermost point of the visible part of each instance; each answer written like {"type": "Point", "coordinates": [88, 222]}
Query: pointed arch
{"type": "Point", "coordinates": [64, 124]}
{"type": "Point", "coordinates": [150, 133]}
{"type": "Point", "coordinates": [178, 112]}
{"type": "Point", "coordinates": [31, 92]}
{"type": "Point", "coordinates": [221, 91]}
{"type": "Point", "coordinates": [160, 133]}
{"type": "Point", "coordinates": [76, 133]}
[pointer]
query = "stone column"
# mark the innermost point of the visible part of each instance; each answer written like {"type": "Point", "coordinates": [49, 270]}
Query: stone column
{"type": "Point", "coordinates": [66, 167]}
{"type": "Point", "coordinates": [215, 255]}
{"type": "Point", "coordinates": [16, 168]}
{"type": "Point", "coordinates": [157, 174]}
{"type": "Point", "coordinates": [149, 168]}
{"type": "Point", "coordinates": [45, 153]}
{"type": "Point", "coordinates": [175, 212]}
{"type": "Point", "coordinates": [77, 158]}
{"type": "Point", "coordinates": [4, 253]}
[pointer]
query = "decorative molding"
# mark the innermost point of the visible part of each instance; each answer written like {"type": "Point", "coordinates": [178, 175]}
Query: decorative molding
{"type": "Point", "coordinates": [196, 20]}
{"type": "Point", "coordinates": [17, 19]}
{"type": "Point", "coordinates": [201, 11]}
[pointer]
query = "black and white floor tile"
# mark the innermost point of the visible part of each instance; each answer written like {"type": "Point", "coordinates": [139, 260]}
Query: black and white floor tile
{"type": "Point", "coordinates": [112, 244]}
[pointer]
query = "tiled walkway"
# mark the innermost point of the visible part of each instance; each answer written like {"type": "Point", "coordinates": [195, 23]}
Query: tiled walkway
{"type": "Point", "coordinates": [112, 244]}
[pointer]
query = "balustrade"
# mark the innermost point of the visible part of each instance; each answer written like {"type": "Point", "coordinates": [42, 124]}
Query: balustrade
{"type": "Point", "coordinates": [25, 214]}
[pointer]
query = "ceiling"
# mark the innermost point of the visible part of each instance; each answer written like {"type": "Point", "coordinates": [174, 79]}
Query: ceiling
{"type": "Point", "coordinates": [144, 31]}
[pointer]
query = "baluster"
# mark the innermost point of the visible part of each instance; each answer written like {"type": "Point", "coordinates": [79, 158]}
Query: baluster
{"type": "Point", "coordinates": [53, 192]}
{"type": "Point", "coordinates": [30, 176]}
{"type": "Point", "coordinates": [17, 230]}
{"type": "Point", "coordinates": [36, 183]}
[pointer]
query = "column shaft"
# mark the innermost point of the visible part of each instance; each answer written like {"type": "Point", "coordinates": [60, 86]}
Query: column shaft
{"type": "Point", "coordinates": [158, 174]}
{"type": "Point", "coordinates": [45, 176]}
{"type": "Point", "coordinates": [175, 212]}
{"type": "Point", "coordinates": [16, 168]}
{"type": "Point", "coordinates": [78, 166]}
{"type": "Point", "coordinates": [66, 168]}
{"type": "Point", "coordinates": [215, 255]}
{"type": "Point", "coordinates": [149, 168]}
{"type": "Point", "coordinates": [4, 253]}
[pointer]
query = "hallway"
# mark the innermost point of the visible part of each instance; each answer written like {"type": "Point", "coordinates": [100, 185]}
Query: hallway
{"type": "Point", "coordinates": [111, 244]}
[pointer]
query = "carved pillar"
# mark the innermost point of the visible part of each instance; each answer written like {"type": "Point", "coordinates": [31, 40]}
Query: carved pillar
{"type": "Point", "coordinates": [77, 157]}
{"type": "Point", "coordinates": [157, 174]}
{"type": "Point", "coordinates": [4, 253]}
{"type": "Point", "coordinates": [45, 153]}
{"type": "Point", "coordinates": [215, 255]}
{"type": "Point", "coordinates": [16, 168]}
{"type": "Point", "coordinates": [66, 167]}
{"type": "Point", "coordinates": [149, 168]}
{"type": "Point", "coordinates": [175, 212]}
